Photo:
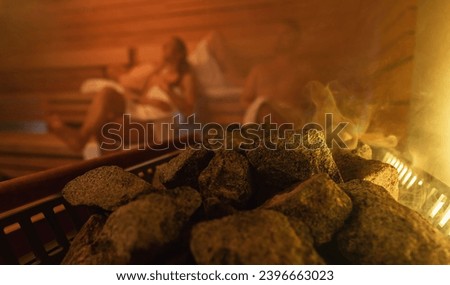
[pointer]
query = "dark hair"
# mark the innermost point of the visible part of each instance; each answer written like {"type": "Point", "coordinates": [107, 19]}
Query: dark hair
{"type": "Point", "coordinates": [181, 48]}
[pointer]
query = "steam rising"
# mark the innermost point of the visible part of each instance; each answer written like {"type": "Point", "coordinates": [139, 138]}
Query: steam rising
{"type": "Point", "coordinates": [429, 130]}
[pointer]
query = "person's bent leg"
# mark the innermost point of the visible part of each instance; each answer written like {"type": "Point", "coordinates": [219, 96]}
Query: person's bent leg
{"type": "Point", "coordinates": [106, 106]}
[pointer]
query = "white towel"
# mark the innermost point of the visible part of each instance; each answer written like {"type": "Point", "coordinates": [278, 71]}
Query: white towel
{"type": "Point", "coordinates": [251, 113]}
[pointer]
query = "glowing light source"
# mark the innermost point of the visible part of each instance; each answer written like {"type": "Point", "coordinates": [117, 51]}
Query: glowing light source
{"type": "Point", "coordinates": [411, 182]}
{"type": "Point", "coordinates": [437, 206]}
{"type": "Point", "coordinates": [439, 212]}
{"type": "Point", "coordinates": [445, 217]}
{"type": "Point", "coordinates": [387, 157]}
{"type": "Point", "coordinates": [429, 136]}
{"type": "Point", "coordinates": [431, 193]}
{"type": "Point", "coordinates": [397, 163]}
{"type": "Point", "coordinates": [408, 175]}
{"type": "Point", "coordinates": [400, 176]}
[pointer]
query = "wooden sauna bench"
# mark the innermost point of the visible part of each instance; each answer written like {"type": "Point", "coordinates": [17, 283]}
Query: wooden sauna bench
{"type": "Point", "coordinates": [50, 84]}
{"type": "Point", "coordinates": [33, 86]}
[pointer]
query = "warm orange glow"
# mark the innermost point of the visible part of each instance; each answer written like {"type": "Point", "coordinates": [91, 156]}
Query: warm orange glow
{"type": "Point", "coordinates": [429, 139]}
{"type": "Point", "coordinates": [411, 182]}
{"type": "Point", "coordinates": [445, 217]}
{"type": "Point", "coordinates": [437, 206]}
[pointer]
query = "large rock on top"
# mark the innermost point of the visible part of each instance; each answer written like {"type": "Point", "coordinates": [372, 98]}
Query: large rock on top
{"type": "Point", "coordinates": [255, 237]}
{"type": "Point", "coordinates": [319, 202]}
{"type": "Point", "coordinates": [107, 187]}
{"type": "Point", "coordinates": [291, 160]}
{"type": "Point", "coordinates": [382, 231]}
{"type": "Point", "coordinates": [184, 169]}
{"type": "Point", "coordinates": [226, 182]}
{"type": "Point", "coordinates": [353, 166]}
{"type": "Point", "coordinates": [137, 232]}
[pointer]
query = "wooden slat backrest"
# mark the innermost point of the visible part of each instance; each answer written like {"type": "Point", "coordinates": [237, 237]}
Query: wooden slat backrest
{"type": "Point", "coordinates": [35, 85]}
{"type": "Point", "coordinates": [34, 106]}
{"type": "Point", "coordinates": [152, 53]}
{"type": "Point", "coordinates": [66, 59]}
{"type": "Point", "coordinates": [390, 71]}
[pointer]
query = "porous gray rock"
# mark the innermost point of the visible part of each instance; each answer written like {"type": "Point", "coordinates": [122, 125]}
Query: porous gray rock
{"type": "Point", "coordinates": [82, 249]}
{"type": "Point", "coordinates": [352, 167]}
{"type": "Point", "coordinates": [226, 140]}
{"type": "Point", "coordinates": [254, 237]}
{"type": "Point", "coordinates": [382, 231]}
{"type": "Point", "coordinates": [107, 187]}
{"type": "Point", "coordinates": [184, 169]}
{"type": "Point", "coordinates": [363, 150]}
{"type": "Point", "coordinates": [226, 181]}
{"type": "Point", "coordinates": [237, 138]}
{"type": "Point", "coordinates": [137, 232]}
{"type": "Point", "coordinates": [291, 160]}
{"type": "Point", "coordinates": [318, 202]}
{"type": "Point", "coordinates": [156, 180]}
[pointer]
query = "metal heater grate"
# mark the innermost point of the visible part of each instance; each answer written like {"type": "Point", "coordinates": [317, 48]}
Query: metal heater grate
{"type": "Point", "coordinates": [421, 191]}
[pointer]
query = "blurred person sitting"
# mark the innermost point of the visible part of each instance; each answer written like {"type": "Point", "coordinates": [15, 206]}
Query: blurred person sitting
{"type": "Point", "coordinates": [147, 94]}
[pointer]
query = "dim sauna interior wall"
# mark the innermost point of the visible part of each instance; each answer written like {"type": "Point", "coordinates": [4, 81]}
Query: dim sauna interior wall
{"type": "Point", "coordinates": [429, 141]}
{"type": "Point", "coordinates": [359, 42]}
{"type": "Point", "coordinates": [391, 71]}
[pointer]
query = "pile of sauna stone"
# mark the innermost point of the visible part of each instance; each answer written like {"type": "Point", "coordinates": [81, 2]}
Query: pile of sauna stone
{"type": "Point", "coordinates": [258, 206]}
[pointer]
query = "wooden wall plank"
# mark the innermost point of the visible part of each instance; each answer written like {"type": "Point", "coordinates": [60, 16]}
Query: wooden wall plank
{"type": "Point", "coordinates": [36, 144]}
{"type": "Point", "coordinates": [394, 51]}
{"type": "Point", "coordinates": [405, 20]}
{"type": "Point", "coordinates": [47, 80]}
{"type": "Point", "coordinates": [33, 162]}
{"type": "Point", "coordinates": [35, 106]}
{"type": "Point", "coordinates": [66, 59]}
{"type": "Point", "coordinates": [394, 86]}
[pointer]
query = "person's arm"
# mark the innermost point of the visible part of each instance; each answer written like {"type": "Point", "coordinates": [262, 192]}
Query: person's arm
{"type": "Point", "coordinates": [186, 100]}
{"type": "Point", "coordinates": [250, 88]}
{"type": "Point", "coordinates": [136, 80]}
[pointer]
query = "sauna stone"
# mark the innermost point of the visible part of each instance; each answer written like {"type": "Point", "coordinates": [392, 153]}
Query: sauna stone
{"type": "Point", "coordinates": [228, 140]}
{"type": "Point", "coordinates": [226, 182]}
{"type": "Point", "coordinates": [354, 167]}
{"type": "Point", "coordinates": [382, 231]}
{"type": "Point", "coordinates": [184, 169]}
{"type": "Point", "coordinates": [319, 155]}
{"type": "Point", "coordinates": [319, 202]}
{"type": "Point", "coordinates": [156, 180]}
{"type": "Point", "coordinates": [107, 187]}
{"type": "Point", "coordinates": [83, 250]}
{"type": "Point", "coordinates": [301, 229]}
{"type": "Point", "coordinates": [363, 150]}
{"type": "Point", "coordinates": [293, 160]}
{"type": "Point", "coordinates": [238, 138]}
{"type": "Point", "coordinates": [254, 237]}
{"type": "Point", "coordinates": [137, 232]}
